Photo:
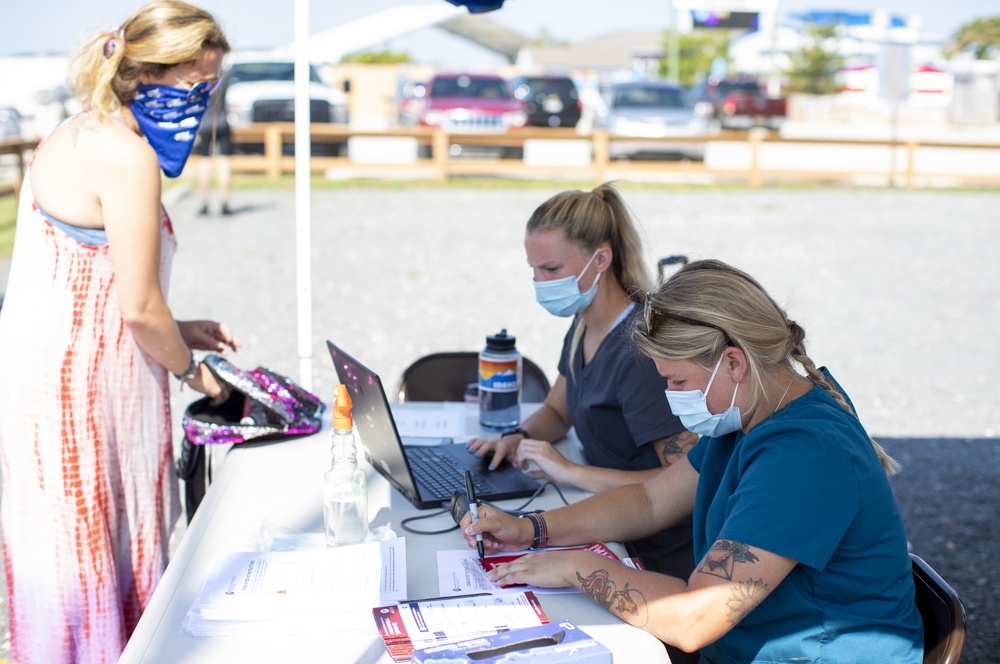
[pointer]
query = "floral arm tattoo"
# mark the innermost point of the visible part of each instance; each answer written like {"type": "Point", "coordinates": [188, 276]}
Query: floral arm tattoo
{"type": "Point", "coordinates": [720, 561]}
{"type": "Point", "coordinates": [628, 603]}
{"type": "Point", "coordinates": [675, 446]}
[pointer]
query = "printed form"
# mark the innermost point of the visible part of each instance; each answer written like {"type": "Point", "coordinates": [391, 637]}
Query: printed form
{"type": "Point", "coordinates": [252, 587]}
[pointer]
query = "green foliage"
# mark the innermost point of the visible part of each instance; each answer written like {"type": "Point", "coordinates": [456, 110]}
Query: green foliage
{"type": "Point", "coordinates": [815, 66]}
{"type": "Point", "coordinates": [982, 37]}
{"type": "Point", "coordinates": [383, 57]}
{"type": "Point", "coordinates": [8, 219]}
{"type": "Point", "coordinates": [697, 52]}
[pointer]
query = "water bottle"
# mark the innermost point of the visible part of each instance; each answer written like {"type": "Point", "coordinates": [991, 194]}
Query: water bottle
{"type": "Point", "coordinates": [499, 383]}
{"type": "Point", "coordinates": [345, 488]}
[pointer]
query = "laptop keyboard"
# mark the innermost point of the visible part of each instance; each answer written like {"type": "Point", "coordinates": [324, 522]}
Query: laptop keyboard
{"type": "Point", "coordinates": [439, 472]}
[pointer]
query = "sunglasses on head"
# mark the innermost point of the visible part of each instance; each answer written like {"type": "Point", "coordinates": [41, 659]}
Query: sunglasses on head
{"type": "Point", "coordinates": [650, 314]}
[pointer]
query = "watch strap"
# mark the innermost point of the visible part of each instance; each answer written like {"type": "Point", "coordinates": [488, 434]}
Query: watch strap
{"type": "Point", "coordinates": [510, 432]}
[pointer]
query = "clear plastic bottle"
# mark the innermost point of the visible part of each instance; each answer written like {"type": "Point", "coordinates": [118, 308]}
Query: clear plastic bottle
{"type": "Point", "coordinates": [345, 488]}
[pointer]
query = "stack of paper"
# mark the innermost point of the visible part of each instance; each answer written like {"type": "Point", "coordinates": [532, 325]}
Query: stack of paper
{"type": "Point", "coordinates": [409, 626]}
{"type": "Point", "coordinates": [298, 592]}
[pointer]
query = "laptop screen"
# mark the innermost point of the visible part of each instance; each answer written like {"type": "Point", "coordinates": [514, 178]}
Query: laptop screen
{"type": "Point", "coordinates": [373, 421]}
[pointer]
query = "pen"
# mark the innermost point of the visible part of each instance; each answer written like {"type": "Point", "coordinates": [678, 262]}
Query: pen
{"type": "Point", "coordinates": [474, 508]}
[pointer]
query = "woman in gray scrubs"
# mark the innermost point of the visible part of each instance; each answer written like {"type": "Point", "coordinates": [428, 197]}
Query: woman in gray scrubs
{"type": "Point", "coordinates": [586, 255]}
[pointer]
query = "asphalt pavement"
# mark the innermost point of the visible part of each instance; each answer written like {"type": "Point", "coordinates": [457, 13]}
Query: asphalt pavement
{"type": "Point", "coordinates": [895, 289]}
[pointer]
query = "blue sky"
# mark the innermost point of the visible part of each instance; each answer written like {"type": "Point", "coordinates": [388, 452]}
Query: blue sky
{"type": "Point", "coordinates": [56, 25]}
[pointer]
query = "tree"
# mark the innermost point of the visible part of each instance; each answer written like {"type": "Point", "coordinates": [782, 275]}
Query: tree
{"type": "Point", "coordinates": [981, 37]}
{"type": "Point", "coordinates": [377, 58]}
{"type": "Point", "coordinates": [815, 66]}
{"type": "Point", "coordinates": [697, 52]}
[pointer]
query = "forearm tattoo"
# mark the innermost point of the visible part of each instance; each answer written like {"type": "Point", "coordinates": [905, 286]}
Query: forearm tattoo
{"type": "Point", "coordinates": [676, 446]}
{"type": "Point", "coordinates": [628, 603]}
{"type": "Point", "coordinates": [721, 561]}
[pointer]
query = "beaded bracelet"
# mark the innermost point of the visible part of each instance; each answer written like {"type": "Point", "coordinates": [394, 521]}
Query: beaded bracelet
{"type": "Point", "coordinates": [189, 372]}
{"type": "Point", "coordinates": [541, 530]}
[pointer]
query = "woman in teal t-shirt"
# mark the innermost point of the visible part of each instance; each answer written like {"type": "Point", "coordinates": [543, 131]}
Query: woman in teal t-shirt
{"type": "Point", "coordinates": [801, 545]}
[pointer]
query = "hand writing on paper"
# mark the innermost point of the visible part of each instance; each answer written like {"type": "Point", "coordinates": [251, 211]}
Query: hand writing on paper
{"type": "Point", "coordinates": [500, 531]}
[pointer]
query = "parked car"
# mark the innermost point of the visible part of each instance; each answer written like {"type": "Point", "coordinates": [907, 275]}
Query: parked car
{"type": "Point", "coordinates": [469, 104]}
{"type": "Point", "coordinates": [409, 96]}
{"type": "Point", "coordinates": [652, 109]}
{"type": "Point", "coordinates": [739, 103]}
{"type": "Point", "coordinates": [263, 90]}
{"type": "Point", "coordinates": [10, 122]}
{"type": "Point", "coordinates": [551, 101]}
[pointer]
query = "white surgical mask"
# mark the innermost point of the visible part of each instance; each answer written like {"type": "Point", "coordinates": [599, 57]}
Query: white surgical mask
{"type": "Point", "coordinates": [691, 406]}
{"type": "Point", "coordinates": [562, 297]}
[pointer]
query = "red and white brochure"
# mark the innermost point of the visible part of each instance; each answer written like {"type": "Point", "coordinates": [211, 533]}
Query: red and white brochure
{"type": "Point", "coordinates": [413, 625]}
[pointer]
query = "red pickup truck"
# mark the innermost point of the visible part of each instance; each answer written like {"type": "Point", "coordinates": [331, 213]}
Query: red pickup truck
{"type": "Point", "coordinates": [739, 103]}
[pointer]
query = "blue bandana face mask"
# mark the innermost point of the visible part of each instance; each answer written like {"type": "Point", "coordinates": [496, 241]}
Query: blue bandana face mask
{"type": "Point", "coordinates": [691, 406]}
{"type": "Point", "coordinates": [169, 117]}
{"type": "Point", "coordinates": [562, 297]}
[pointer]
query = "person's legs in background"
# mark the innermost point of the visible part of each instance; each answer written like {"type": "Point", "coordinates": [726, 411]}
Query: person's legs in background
{"type": "Point", "coordinates": [204, 183]}
{"type": "Point", "coordinates": [223, 177]}
{"type": "Point", "coordinates": [214, 156]}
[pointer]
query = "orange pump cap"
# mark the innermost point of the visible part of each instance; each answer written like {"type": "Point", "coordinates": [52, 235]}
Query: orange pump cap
{"type": "Point", "coordinates": [342, 409]}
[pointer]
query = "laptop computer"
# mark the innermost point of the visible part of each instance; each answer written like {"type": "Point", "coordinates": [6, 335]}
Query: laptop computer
{"type": "Point", "coordinates": [411, 469]}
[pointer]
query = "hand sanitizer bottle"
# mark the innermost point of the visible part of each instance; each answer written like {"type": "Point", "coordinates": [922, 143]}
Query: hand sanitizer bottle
{"type": "Point", "coordinates": [345, 488]}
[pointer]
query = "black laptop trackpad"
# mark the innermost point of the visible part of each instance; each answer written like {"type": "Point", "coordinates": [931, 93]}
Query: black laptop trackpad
{"type": "Point", "coordinates": [504, 482]}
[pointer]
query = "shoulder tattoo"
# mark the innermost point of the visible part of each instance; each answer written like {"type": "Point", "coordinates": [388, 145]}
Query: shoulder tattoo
{"type": "Point", "coordinates": [86, 123]}
{"type": "Point", "coordinates": [628, 603]}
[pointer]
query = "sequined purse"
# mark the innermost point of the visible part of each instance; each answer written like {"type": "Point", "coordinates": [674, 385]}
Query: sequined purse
{"type": "Point", "coordinates": [262, 405]}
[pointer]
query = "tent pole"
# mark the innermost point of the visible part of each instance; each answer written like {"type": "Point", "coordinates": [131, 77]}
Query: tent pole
{"type": "Point", "coordinates": [303, 212]}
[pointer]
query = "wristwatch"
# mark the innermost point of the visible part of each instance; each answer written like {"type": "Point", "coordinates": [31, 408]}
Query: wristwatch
{"type": "Point", "coordinates": [510, 432]}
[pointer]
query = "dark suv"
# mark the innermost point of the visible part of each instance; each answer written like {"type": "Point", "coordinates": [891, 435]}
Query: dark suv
{"type": "Point", "coordinates": [552, 101]}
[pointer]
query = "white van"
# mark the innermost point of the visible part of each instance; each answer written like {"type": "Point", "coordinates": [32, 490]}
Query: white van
{"type": "Point", "coordinates": [262, 89]}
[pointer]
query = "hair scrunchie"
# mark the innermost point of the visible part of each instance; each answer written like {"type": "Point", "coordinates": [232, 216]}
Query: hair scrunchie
{"type": "Point", "coordinates": [111, 44]}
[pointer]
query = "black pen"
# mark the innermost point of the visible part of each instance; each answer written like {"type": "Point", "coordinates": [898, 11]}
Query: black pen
{"type": "Point", "coordinates": [474, 508]}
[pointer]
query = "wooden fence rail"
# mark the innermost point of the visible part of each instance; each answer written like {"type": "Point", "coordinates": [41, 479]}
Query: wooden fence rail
{"type": "Point", "coordinates": [894, 162]}
{"type": "Point", "coordinates": [17, 147]}
{"type": "Point", "coordinates": [754, 157]}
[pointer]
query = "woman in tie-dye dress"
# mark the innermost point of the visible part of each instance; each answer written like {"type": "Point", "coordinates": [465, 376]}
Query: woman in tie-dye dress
{"type": "Point", "coordinates": [87, 341]}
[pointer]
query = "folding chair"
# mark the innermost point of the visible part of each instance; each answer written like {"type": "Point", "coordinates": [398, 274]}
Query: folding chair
{"type": "Point", "coordinates": [943, 614]}
{"type": "Point", "coordinates": [444, 377]}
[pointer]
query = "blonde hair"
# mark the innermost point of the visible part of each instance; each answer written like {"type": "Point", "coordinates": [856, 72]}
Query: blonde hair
{"type": "Point", "coordinates": [105, 69]}
{"type": "Point", "coordinates": [707, 306]}
{"type": "Point", "coordinates": [593, 218]}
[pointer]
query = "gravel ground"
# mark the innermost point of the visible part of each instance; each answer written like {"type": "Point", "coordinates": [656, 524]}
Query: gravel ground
{"type": "Point", "coordinates": [892, 287]}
